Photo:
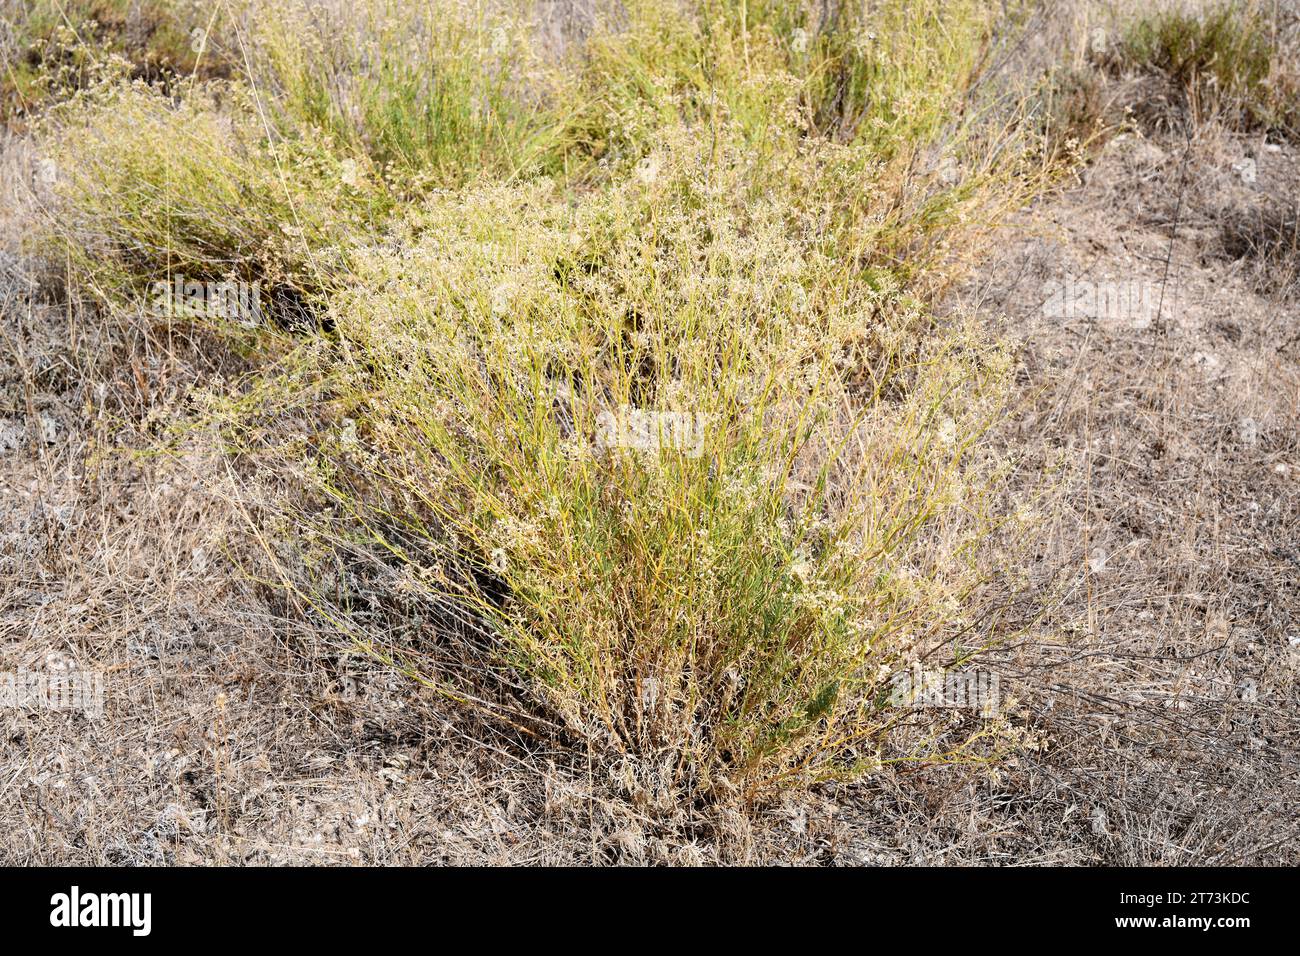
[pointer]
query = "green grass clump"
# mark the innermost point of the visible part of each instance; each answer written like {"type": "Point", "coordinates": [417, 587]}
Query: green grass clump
{"type": "Point", "coordinates": [886, 75]}
{"type": "Point", "coordinates": [1226, 61]}
{"type": "Point", "coordinates": [432, 94]}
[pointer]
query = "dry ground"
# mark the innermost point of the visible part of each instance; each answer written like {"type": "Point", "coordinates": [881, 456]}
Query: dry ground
{"type": "Point", "coordinates": [1156, 667]}
{"type": "Point", "coordinates": [1164, 678]}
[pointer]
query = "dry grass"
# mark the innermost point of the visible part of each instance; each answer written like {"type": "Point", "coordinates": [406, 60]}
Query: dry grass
{"type": "Point", "coordinates": [320, 521]}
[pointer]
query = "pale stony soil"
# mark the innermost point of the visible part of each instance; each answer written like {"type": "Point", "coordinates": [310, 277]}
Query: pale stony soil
{"type": "Point", "coordinates": [1155, 664]}
{"type": "Point", "coordinates": [1166, 677]}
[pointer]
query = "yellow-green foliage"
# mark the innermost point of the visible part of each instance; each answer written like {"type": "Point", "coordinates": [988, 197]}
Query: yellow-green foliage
{"type": "Point", "coordinates": [720, 220]}
{"type": "Point", "coordinates": [725, 595]}
{"type": "Point", "coordinates": [886, 74]}
{"type": "Point", "coordinates": [1227, 59]}
{"type": "Point", "coordinates": [432, 93]}
{"type": "Point", "coordinates": [156, 188]}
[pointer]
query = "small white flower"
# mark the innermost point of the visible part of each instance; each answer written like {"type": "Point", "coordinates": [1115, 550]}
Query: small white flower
{"type": "Point", "coordinates": [799, 40]}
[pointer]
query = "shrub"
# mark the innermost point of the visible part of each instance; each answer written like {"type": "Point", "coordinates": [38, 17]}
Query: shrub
{"type": "Point", "coordinates": [720, 589]}
{"type": "Point", "coordinates": [151, 188]}
{"type": "Point", "coordinates": [1226, 60]}
{"type": "Point", "coordinates": [628, 384]}
{"type": "Point", "coordinates": [432, 94]}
